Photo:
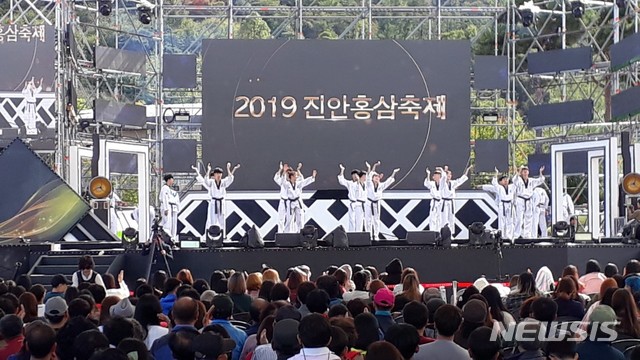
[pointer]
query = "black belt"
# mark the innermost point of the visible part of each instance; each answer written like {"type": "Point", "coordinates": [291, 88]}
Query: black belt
{"type": "Point", "coordinates": [526, 200]}
{"type": "Point", "coordinates": [504, 209]}
{"type": "Point", "coordinates": [374, 204]}
{"type": "Point", "coordinates": [218, 204]}
{"type": "Point", "coordinates": [291, 201]}
{"type": "Point", "coordinates": [362, 202]}
{"type": "Point", "coordinates": [451, 201]}
{"type": "Point", "coordinates": [434, 203]}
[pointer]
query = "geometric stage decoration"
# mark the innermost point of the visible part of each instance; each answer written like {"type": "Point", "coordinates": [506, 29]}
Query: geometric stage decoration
{"type": "Point", "coordinates": [37, 205]}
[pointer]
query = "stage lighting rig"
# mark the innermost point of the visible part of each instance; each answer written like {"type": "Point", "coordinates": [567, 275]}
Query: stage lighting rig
{"type": "Point", "coordinates": [104, 7]}
{"type": "Point", "coordinates": [527, 17]}
{"type": "Point", "coordinates": [214, 236]}
{"type": "Point", "coordinates": [577, 9]}
{"type": "Point", "coordinates": [130, 239]}
{"type": "Point", "coordinates": [145, 11]}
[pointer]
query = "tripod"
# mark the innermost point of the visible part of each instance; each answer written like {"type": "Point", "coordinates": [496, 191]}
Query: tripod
{"type": "Point", "coordinates": [156, 243]}
{"type": "Point", "coordinates": [497, 249]}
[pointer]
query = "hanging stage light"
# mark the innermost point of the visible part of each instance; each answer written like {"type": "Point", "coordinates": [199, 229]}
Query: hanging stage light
{"type": "Point", "coordinates": [104, 7]}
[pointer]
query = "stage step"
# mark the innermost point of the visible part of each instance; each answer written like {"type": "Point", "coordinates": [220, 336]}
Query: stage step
{"type": "Point", "coordinates": [49, 265]}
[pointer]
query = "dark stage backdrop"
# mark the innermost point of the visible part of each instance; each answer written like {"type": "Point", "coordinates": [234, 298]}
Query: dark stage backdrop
{"type": "Point", "coordinates": [405, 103]}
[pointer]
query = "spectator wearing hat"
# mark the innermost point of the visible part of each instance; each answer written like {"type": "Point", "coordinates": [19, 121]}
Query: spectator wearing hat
{"type": "Point", "coordinates": [383, 302]}
{"type": "Point", "coordinates": [185, 313]}
{"type": "Point", "coordinates": [211, 346]}
{"type": "Point", "coordinates": [11, 331]}
{"type": "Point", "coordinates": [600, 347]}
{"type": "Point", "coordinates": [55, 311]}
{"type": "Point", "coordinates": [474, 314]}
{"type": "Point", "coordinates": [123, 308]}
{"type": "Point", "coordinates": [285, 338]}
{"type": "Point", "coordinates": [59, 284]}
{"type": "Point", "coordinates": [432, 306]}
{"type": "Point", "coordinates": [314, 333]}
{"type": "Point", "coordinates": [222, 311]}
{"type": "Point", "coordinates": [447, 321]}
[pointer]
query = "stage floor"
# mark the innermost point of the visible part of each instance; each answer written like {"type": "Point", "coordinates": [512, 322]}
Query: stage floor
{"type": "Point", "coordinates": [464, 264]}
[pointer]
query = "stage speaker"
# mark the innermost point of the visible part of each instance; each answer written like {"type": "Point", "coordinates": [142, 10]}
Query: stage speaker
{"type": "Point", "coordinates": [252, 239]}
{"type": "Point", "coordinates": [423, 238]}
{"type": "Point", "coordinates": [357, 239]}
{"type": "Point", "coordinates": [288, 240]}
{"type": "Point", "coordinates": [337, 238]}
{"type": "Point", "coordinates": [214, 237]}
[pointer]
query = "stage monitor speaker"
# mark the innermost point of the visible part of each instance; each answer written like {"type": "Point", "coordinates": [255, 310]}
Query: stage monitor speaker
{"type": "Point", "coordinates": [288, 240]}
{"type": "Point", "coordinates": [423, 237]}
{"type": "Point", "coordinates": [359, 239]}
{"type": "Point", "coordinates": [337, 238]}
{"type": "Point", "coordinates": [252, 239]}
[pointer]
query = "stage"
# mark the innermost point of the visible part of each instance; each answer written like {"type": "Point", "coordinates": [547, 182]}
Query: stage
{"type": "Point", "coordinates": [434, 265]}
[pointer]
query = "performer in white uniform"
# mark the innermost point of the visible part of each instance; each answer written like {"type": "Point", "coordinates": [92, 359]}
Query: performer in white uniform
{"type": "Point", "coordinates": [504, 198]}
{"type": "Point", "coordinates": [217, 188]}
{"type": "Point", "coordinates": [436, 198]}
{"type": "Point", "coordinates": [374, 196]}
{"type": "Point", "coordinates": [280, 178]}
{"type": "Point", "coordinates": [113, 217]}
{"type": "Point", "coordinates": [567, 207]}
{"type": "Point", "coordinates": [30, 116]}
{"type": "Point", "coordinates": [357, 197]}
{"type": "Point", "coordinates": [294, 206]}
{"type": "Point", "coordinates": [524, 202]}
{"type": "Point", "coordinates": [448, 192]}
{"type": "Point", "coordinates": [169, 207]}
{"type": "Point", "coordinates": [541, 201]}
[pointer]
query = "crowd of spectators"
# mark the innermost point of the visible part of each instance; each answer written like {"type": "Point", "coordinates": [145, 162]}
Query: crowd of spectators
{"type": "Point", "coordinates": [347, 312]}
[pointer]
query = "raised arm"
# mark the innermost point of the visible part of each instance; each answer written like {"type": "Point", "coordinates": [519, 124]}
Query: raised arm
{"type": "Point", "coordinates": [539, 180]}
{"type": "Point", "coordinates": [309, 180]}
{"type": "Point", "coordinates": [427, 182]}
{"type": "Point", "coordinates": [230, 170]}
{"type": "Point", "coordinates": [391, 179]}
{"type": "Point", "coordinates": [341, 180]}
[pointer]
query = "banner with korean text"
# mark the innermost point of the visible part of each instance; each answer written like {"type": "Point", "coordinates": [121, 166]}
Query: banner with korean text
{"type": "Point", "coordinates": [322, 103]}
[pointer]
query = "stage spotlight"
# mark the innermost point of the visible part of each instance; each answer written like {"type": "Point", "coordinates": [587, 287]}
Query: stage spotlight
{"type": "Point", "coordinates": [561, 231]}
{"type": "Point", "coordinates": [478, 236]}
{"type": "Point", "coordinates": [214, 237]}
{"type": "Point", "coordinates": [130, 239]}
{"type": "Point", "coordinates": [144, 14]}
{"type": "Point", "coordinates": [309, 237]}
{"type": "Point", "coordinates": [84, 124]}
{"type": "Point", "coordinates": [527, 17]}
{"type": "Point", "coordinates": [104, 7]}
{"type": "Point", "coordinates": [622, 4]}
{"type": "Point", "coordinates": [577, 9]}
